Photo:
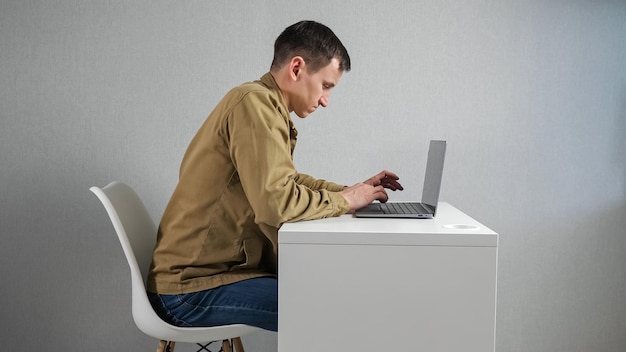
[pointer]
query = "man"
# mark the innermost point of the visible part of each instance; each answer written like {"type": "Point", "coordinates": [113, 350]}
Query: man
{"type": "Point", "coordinates": [215, 258]}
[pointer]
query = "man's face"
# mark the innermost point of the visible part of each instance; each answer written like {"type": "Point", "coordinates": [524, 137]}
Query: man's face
{"type": "Point", "coordinates": [314, 89]}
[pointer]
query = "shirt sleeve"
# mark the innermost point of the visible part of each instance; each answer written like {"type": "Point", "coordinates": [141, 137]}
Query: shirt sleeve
{"type": "Point", "coordinates": [318, 184]}
{"type": "Point", "coordinates": [261, 151]}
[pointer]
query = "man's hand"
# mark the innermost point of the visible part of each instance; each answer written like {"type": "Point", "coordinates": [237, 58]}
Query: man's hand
{"type": "Point", "coordinates": [385, 178]}
{"type": "Point", "coordinates": [363, 194]}
{"type": "Point", "coordinates": [371, 189]}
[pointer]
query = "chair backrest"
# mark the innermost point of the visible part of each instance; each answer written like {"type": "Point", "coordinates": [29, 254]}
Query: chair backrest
{"type": "Point", "coordinates": [137, 234]}
{"type": "Point", "coordinates": [134, 226]}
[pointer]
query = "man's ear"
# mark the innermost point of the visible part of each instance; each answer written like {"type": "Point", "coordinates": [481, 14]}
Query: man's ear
{"type": "Point", "coordinates": [296, 65]}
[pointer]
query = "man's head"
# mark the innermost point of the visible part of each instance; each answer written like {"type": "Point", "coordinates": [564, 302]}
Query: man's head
{"type": "Point", "coordinates": [308, 63]}
{"type": "Point", "coordinates": [312, 41]}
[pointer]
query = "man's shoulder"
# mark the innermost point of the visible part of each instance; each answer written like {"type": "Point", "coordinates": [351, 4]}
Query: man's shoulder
{"type": "Point", "coordinates": [254, 92]}
{"type": "Point", "coordinates": [255, 88]}
{"type": "Point", "coordinates": [264, 85]}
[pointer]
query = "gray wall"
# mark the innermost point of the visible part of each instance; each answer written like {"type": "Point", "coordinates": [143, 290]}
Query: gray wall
{"type": "Point", "coordinates": [531, 96]}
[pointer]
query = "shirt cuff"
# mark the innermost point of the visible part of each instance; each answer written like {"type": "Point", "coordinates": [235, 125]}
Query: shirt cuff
{"type": "Point", "coordinates": [340, 204]}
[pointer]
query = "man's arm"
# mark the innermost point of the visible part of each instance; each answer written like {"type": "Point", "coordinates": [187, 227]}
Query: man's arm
{"type": "Point", "coordinates": [317, 184]}
{"type": "Point", "coordinates": [260, 148]}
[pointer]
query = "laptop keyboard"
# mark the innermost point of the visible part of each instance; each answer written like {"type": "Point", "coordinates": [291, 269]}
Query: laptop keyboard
{"type": "Point", "coordinates": [401, 208]}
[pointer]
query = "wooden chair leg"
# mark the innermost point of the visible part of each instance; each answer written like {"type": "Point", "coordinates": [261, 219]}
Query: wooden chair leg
{"type": "Point", "coordinates": [166, 346]}
{"type": "Point", "coordinates": [226, 346]}
{"type": "Point", "coordinates": [238, 344]}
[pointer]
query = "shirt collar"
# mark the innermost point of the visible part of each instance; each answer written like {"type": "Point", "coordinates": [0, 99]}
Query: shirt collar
{"type": "Point", "coordinates": [269, 81]}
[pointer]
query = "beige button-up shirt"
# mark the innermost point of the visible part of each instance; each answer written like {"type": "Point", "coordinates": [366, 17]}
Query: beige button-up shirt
{"type": "Point", "coordinates": [237, 185]}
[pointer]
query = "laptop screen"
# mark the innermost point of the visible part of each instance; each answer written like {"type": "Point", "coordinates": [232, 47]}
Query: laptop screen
{"type": "Point", "coordinates": [434, 173]}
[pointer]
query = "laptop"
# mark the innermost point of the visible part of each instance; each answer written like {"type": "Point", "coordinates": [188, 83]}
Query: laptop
{"type": "Point", "coordinates": [427, 208]}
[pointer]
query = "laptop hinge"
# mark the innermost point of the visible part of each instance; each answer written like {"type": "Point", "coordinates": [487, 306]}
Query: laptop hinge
{"type": "Point", "coordinates": [429, 208]}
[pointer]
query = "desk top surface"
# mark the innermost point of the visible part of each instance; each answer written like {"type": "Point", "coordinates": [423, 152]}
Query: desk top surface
{"type": "Point", "coordinates": [451, 227]}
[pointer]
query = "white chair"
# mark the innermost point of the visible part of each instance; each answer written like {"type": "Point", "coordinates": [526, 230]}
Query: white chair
{"type": "Point", "coordinates": [137, 234]}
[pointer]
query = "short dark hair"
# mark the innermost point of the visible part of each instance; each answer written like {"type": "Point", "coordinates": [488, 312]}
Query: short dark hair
{"type": "Point", "coordinates": [314, 42]}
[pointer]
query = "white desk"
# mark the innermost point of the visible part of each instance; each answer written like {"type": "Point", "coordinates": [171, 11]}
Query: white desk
{"type": "Point", "coordinates": [348, 284]}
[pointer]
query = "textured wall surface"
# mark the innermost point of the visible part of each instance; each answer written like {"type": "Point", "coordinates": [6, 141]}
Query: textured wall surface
{"type": "Point", "coordinates": [531, 96]}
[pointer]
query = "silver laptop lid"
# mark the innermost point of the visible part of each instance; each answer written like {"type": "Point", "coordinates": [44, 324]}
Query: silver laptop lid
{"type": "Point", "coordinates": [434, 173]}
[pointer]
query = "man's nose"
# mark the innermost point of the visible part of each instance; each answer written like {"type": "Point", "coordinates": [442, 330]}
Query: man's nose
{"type": "Point", "coordinates": [323, 101]}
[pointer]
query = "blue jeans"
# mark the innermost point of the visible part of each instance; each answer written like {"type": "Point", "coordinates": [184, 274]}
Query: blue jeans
{"type": "Point", "coordinates": [251, 302]}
